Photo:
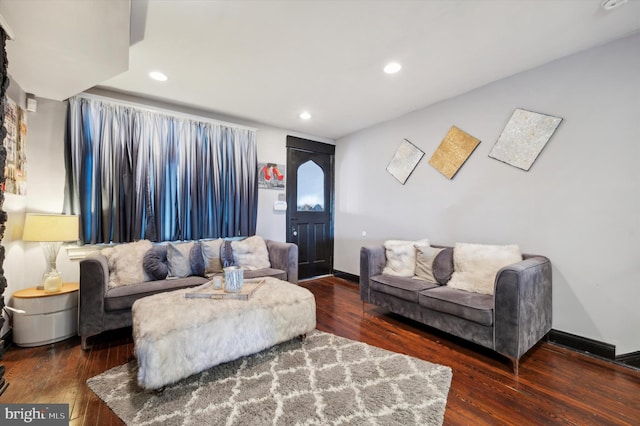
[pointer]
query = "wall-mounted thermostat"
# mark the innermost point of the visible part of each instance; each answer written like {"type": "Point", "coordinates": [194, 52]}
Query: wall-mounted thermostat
{"type": "Point", "coordinates": [32, 104]}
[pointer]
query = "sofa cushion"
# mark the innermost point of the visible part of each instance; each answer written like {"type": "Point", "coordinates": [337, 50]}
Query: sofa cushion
{"type": "Point", "coordinates": [124, 296]}
{"type": "Point", "coordinates": [401, 257]}
{"type": "Point", "coordinates": [401, 287]}
{"type": "Point", "coordinates": [251, 253]}
{"type": "Point", "coordinates": [155, 263]}
{"type": "Point", "coordinates": [425, 255]}
{"type": "Point", "coordinates": [443, 266]}
{"type": "Point", "coordinates": [476, 265]}
{"type": "Point", "coordinates": [470, 306]}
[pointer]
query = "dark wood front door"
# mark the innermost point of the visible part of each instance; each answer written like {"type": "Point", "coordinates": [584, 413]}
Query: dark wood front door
{"type": "Point", "coordinates": [310, 169]}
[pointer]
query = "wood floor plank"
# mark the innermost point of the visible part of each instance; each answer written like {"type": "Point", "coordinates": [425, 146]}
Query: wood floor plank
{"type": "Point", "coordinates": [555, 385]}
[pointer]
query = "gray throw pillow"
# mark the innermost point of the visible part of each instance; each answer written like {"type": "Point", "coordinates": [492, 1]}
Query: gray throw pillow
{"type": "Point", "coordinates": [178, 259]}
{"type": "Point", "coordinates": [425, 256]}
{"type": "Point", "coordinates": [443, 266]}
{"type": "Point", "coordinates": [155, 263]}
{"type": "Point", "coordinates": [212, 256]}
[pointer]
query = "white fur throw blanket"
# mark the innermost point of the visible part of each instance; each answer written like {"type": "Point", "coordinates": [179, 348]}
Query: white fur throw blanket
{"type": "Point", "coordinates": [176, 337]}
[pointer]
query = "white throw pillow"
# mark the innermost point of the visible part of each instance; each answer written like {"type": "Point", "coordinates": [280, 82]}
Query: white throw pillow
{"type": "Point", "coordinates": [178, 259]}
{"type": "Point", "coordinates": [211, 256]}
{"type": "Point", "coordinates": [251, 253]}
{"type": "Point", "coordinates": [401, 257]}
{"type": "Point", "coordinates": [108, 253]}
{"type": "Point", "coordinates": [475, 265]}
{"type": "Point", "coordinates": [126, 263]}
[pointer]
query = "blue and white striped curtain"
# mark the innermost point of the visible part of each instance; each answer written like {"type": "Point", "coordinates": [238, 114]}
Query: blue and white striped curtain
{"type": "Point", "coordinates": [134, 173]}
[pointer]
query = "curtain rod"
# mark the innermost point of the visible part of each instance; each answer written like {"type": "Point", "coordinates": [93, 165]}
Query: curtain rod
{"type": "Point", "coordinates": [169, 112]}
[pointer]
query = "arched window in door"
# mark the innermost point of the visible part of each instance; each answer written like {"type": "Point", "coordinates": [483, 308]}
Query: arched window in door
{"type": "Point", "coordinates": [310, 187]}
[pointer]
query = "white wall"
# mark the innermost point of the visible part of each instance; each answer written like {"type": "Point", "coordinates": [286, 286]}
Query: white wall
{"type": "Point", "coordinates": [579, 204]}
{"type": "Point", "coordinates": [271, 149]}
{"type": "Point", "coordinates": [25, 262]}
{"type": "Point", "coordinates": [15, 206]}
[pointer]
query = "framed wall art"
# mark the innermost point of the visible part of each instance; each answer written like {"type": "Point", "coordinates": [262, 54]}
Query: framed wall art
{"type": "Point", "coordinates": [453, 151]}
{"type": "Point", "coordinates": [271, 176]}
{"type": "Point", "coordinates": [523, 138]}
{"type": "Point", "coordinates": [404, 161]}
{"type": "Point", "coordinates": [15, 142]}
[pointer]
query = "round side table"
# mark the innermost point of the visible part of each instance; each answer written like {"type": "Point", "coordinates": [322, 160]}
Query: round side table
{"type": "Point", "coordinates": [48, 317]}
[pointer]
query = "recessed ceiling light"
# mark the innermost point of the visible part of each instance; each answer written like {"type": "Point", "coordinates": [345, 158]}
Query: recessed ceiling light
{"type": "Point", "coordinates": [158, 76]}
{"type": "Point", "coordinates": [392, 68]}
{"type": "Point", "coordinates": [610, 4]}
{"type": "Point", "coordinates": [305, 115]}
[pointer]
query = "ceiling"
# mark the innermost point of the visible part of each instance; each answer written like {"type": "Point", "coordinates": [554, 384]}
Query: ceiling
{"type": "Point", "coordinates": [266, 61]}
{"type": "Point", "coordinates": [61, 48]}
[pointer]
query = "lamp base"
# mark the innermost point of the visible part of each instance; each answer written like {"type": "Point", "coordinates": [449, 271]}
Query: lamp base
{"type": "Point", "coordinates": [53, 282]}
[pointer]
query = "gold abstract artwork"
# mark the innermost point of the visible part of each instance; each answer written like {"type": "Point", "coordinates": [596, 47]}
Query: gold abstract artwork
{"type": "Point", "coordinates": [453, 151]}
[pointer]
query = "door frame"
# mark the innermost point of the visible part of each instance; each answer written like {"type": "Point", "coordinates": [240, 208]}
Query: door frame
{"type": "Point", "coordinates": [296, 143]}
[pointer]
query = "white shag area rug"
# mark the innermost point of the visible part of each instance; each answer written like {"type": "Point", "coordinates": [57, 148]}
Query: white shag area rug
{"type": "Point", "coordinates": [323, 380]}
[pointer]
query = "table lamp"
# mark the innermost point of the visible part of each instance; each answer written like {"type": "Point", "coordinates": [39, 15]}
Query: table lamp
{"type": "Point", "coordinates": [50, 230]}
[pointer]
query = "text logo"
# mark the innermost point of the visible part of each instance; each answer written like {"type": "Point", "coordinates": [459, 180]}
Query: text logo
{"type": "Point", "coordinates": [34, 414]}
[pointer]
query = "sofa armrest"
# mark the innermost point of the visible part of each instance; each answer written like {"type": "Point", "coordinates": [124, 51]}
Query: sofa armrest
{"type": "Point", "coordinates": [372, 261]}
{"type": "Point", "coordinates": [94, 278]}
{"type": "Point", "coordinates": [523, 305]}
{"type": "Point", "coordinates": [284, 256]}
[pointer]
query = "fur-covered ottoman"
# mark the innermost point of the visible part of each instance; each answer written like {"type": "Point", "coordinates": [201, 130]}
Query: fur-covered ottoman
{"type": "Point", "coordinates": [176, 337]}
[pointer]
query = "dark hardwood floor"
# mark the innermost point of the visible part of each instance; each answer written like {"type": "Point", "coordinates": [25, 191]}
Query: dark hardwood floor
{"type": "Point", "coordinates": [555, 385]}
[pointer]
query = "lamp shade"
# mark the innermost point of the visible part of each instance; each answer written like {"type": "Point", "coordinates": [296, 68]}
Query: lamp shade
{"type": "Point", "coordinates": [50, 227]}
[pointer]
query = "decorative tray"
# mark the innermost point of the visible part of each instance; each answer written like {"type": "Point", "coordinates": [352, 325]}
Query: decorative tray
{"type": "Point", "coordinates": [206, 291]}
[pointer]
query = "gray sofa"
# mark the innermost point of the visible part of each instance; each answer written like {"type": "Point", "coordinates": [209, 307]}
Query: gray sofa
{"type": "Point", "coordinates": [509, 322]}
{"type": "Point", "coordinates": [102, 308]}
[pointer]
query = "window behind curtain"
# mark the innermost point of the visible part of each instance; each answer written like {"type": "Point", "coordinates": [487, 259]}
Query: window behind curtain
{"type": "Point", "coordinates": [137, 174]}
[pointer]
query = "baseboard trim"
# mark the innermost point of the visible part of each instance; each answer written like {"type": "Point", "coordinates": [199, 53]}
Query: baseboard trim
{"type": "Point", "coordinates": [346, 276]}
{"type": "Point", "coordinates": [583, 344]}
{"type": "Point", "coordinates": [632, 358]}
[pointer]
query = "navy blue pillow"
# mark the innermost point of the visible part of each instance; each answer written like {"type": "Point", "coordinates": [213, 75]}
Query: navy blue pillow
{"type": "Point", "coordinates": [196, 260]}
{"type": "Point", "coordinates": [155, 263]}
{"type": "Point", "coordinates": [226, 254]}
